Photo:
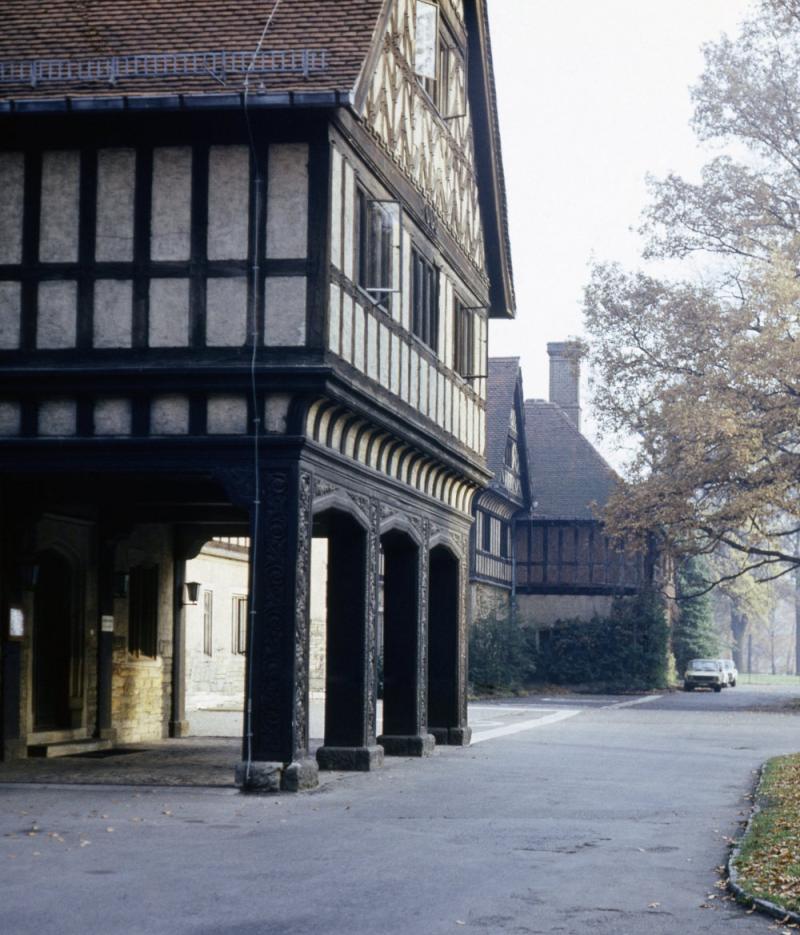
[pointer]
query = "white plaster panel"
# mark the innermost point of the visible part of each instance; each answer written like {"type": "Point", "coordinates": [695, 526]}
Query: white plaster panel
{"type": "Point", "coordinates": [336, 207]}
{"type": "Point", "coordinates": [226, 415]}
{"type": "Point", "coordinates": [169, 415]}
{"type": "Point", "coordinates": [116, 183]}
{"type": "Point", "coordinates": [285, 311]}
{"type": "Point", "coordinates": [113, 313]}
{"type": "Point", "coordinates": [169, 313]}
{"type": "Point", "coordinates": [10, 418]}
{"type": "Point", "coordinates": [10, 313]}
{"type": "Point", "coordinates": [394, 376]}
{"type": "Point", "coordinates": [358, 338]}
{"type": "Point", "coordinates": [462, 417]}
{"type": "Point", "coordinates": [347, 326]}
{"type": "Point", "coordinates": [414, 378]}
{"type": "Point", "coordinates": [335, 319]}
{"type": "Point", "coordinates": [372, 346]}
{"type": "Point", "coordinates": [276, 412]}
{"type": "Point", "coordinates": [226, 312]}
{"type": "Point", "coordinates": [433, 391]}
{"type": "Point", "coordinates": [170, 226]}
{"type": "Point", "coordinates": [348, 218]}
{"type": "Point", "coordinates": [112, 417]}
{"type": "Point", "coordinates": [12, 191]}
{"type": "Point", "coordinates": [287, 201]}
{"type": "Point", "coordinates": [57, 417]}
{"type": "Point", "coordinates": [385, 344]}
{"type": "Point", "coordinates": [448, 406]}
{"type": "Point", "coordinates": [440, 400]}
{"type": "Point", "coordinates": [58, 237]}
{"type": "Point", "coordinates": [57, 320]}
{"type": "Point", "coordinates": [228, 202]}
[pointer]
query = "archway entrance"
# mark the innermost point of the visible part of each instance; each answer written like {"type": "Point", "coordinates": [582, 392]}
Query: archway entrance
{"type": "Point", "coordinates": [56, 657]}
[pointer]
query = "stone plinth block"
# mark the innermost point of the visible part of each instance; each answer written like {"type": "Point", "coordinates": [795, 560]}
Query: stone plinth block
{"type": "Point", "coordinates": [179, 728]}
{"type": "Point", "coordinates": [453, 736]}
{"type": "Point", "coordinates": [362, 759]}
{"type": "Point", "coordinates": [407, 744]}
{"type": "Point", "coordinates": [302, 774]}
{"type": "Point", "coordinates": [260, 777]}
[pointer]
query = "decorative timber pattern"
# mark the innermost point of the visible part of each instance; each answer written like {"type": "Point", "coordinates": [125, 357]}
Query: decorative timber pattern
{"type": "Point", "coordinates": [436, 154]}
{"type": "Point", "coordinates": [337, 428]}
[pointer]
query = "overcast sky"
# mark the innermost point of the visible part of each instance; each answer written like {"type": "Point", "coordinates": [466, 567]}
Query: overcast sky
{"type": "Point", "coordinates": [593, 95]}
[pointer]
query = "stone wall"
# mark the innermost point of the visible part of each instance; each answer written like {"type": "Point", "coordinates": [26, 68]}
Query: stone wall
{"type": "Point", "coordinates": [542, 610]}
{"type": "Point", "coordinates": [489, 602]}
{"type": "Point", "coordinates": [141, 686]}
{"type": "Point", "coordinates": [215, 680]}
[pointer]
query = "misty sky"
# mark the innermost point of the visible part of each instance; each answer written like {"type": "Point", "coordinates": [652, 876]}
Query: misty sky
{"type": "Point", "coordinates": [593, 95]}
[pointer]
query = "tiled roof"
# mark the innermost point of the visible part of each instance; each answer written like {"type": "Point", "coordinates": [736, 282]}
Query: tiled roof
{"type": "Point", "coordinates": [99, 29]}
{"type": "Point", "coordinates": [567, 474]}
{"type": "Point", "coordinates": [503, 376]}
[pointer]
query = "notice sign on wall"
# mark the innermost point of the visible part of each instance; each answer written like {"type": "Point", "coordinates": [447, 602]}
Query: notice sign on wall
{"type": "Point", "coordinates": [16, 623]}
{"type": "Point", "coordinates": [427, 29]}
{"type": "Point", "coordinates": [107, 624]}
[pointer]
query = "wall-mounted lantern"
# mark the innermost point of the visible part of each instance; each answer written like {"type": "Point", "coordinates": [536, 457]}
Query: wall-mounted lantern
{"type": "Point", "coordinates": [191, 592]}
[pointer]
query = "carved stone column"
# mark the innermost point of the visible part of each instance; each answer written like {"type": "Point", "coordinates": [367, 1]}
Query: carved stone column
{"type": "Point", "coordinates": [275, 747]}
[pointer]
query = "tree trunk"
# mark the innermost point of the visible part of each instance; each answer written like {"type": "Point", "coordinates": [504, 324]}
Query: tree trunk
{"type": "Point", "coordinates": [738, 629]}
{"type": "Point", "coordinates": [797, 621]}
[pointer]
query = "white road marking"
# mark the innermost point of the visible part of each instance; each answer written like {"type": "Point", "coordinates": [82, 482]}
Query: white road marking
{"type": "Point", "coordinates": [630, 704]}
{"type": "Point", "coordinates": [523, 725]}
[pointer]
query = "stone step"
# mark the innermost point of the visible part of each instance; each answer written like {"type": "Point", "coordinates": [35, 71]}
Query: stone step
{"type": "Point", "coordinates": [68, 748]}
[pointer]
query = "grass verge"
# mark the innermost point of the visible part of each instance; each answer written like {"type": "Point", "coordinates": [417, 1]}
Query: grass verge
{"type": "Point", "coordinates": [768, 859]}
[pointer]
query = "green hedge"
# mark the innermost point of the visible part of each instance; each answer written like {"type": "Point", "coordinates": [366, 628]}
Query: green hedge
{"type": "Point", "coordinates": [502, 656]}
{"type": "Point", "coordinates": [629, 648]}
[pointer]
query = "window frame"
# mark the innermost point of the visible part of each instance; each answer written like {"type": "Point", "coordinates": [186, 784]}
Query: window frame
{"type": "Point", "coordinates": [464, 330]}
{"type": "Point", "coordinates": [424, 278]}
{"type": "Point", "coordinates": [382, 260]}
{"type": "Point", "coordinates": [208, 622]}
{"type": "Point", "coordinates": [239, 618]}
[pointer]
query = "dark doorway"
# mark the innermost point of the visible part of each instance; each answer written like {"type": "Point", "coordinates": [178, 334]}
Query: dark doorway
{"type": "Point", "coordinates": [54, 631]}
{"type": "Point", "coordinates": [443, 645]}
{"type": "Point", "coordinates": [346, 663]}
{"type": "Point", "coordinates": [400, 635]}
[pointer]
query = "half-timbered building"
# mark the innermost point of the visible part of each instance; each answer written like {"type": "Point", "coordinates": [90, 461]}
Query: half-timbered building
{"type": "Point", "coordinates": [507, 499]}
{"type": "Point", "coordinates": [540, 552]}
{"type": "Point", "coordinates": [248, 254]}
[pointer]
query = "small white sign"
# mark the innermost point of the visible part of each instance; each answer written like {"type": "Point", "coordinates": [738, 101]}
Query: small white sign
{"type": "Point", "coordinates": [106, 624]}
{"type": "Point", "coordinates": [427, 39]}
{"type": "Point", "coordinates": [16, 623]}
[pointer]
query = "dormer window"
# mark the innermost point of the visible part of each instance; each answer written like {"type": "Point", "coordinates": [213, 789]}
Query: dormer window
{"type": "Point", "coordinates": [432, 56]}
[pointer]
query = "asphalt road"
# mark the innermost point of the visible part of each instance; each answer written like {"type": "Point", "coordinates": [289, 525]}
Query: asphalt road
{"type": "Point", "coordinates": [611, 819]}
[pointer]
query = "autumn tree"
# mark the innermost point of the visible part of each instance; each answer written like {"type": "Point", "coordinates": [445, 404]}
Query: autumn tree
{"type": "Point", "coordinates": [704, 370]}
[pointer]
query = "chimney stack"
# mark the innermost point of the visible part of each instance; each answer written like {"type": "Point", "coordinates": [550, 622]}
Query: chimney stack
{"type": "Point", "coordinates": [565, 378]}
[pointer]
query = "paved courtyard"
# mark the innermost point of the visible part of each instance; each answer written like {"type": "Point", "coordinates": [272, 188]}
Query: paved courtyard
{"type": "Point", "coordinates": [569, 814]}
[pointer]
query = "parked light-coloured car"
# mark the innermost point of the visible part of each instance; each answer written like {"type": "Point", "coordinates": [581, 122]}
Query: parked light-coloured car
{"type": "Point", "coordinates": [705, 673]}
{"type": "Point", "coordinates": [729, 668]}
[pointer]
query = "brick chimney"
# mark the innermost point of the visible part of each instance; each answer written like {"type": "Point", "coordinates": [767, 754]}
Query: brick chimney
{"type": "Point", "coordinates": [565, 378]}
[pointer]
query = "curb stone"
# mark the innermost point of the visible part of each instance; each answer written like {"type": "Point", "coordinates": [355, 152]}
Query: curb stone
{"type": "Point", "coordinates": [741, 894]}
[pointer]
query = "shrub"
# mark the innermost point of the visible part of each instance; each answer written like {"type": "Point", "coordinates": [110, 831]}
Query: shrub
{"type": "Point", "coordinates": [501, 655]}
{"type": "Point", "coordinates": [629, 648]}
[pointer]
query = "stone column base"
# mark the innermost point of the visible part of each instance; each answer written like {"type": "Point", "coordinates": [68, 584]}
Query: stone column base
{"type": "Point", "coordinates": [362, 759]}
{"type": "Point", "coordinates": [108, 733]}
{"type": "Point", "coordinates": [452, 736]}
{"type": "Point", "coordinates": [267, 777]}
{"type": "Point", "coordinates": [407, 744]}
{"type": "Point", "coordinates": [179, 728]}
